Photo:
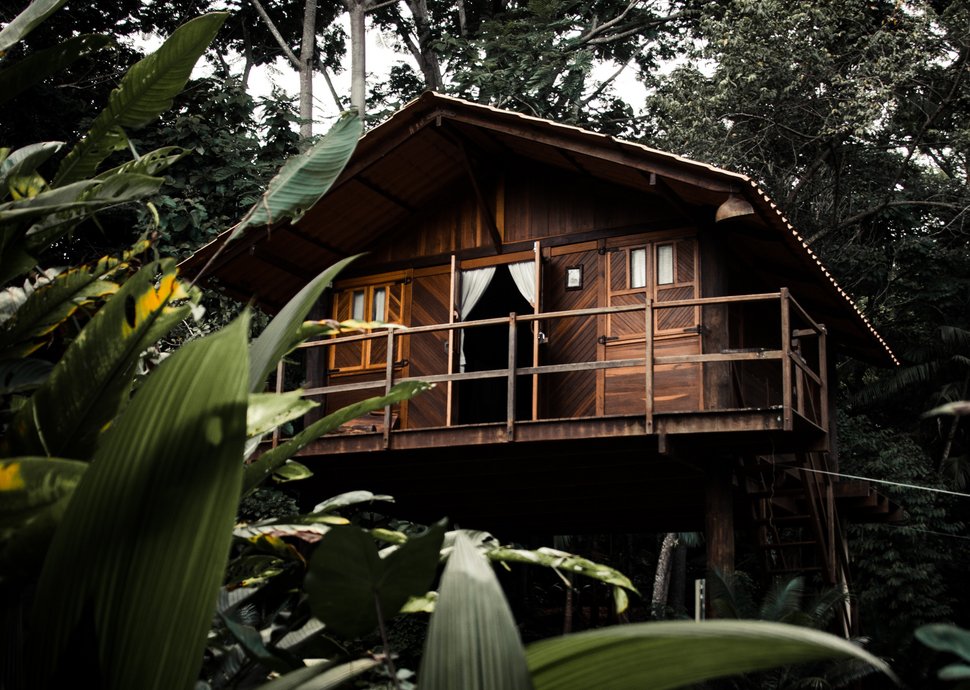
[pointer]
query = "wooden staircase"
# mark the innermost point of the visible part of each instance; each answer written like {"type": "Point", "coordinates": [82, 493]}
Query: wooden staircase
{"type": "Point", "coordinates": [796, 520]}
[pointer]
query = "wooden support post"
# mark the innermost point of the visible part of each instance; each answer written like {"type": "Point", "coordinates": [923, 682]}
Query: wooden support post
{"type": "Point", "coordinates": [648, 364]}
{"type": "Point", "coordinates": [510, 400]}
{"type": "Point", "coordinates": [451, 338]}
{"type": "Point", "coordinates": [719, 519]}
{"type": "Point", "coordinates": [536, 309]}
{"type": "Point", "coordinates": [388, 384]}
{"type": "Point", "coordinates": [786, 387]}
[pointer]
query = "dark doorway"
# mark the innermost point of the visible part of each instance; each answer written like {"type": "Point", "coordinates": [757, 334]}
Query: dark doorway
{"type": "Point", "coordinates": [486, 348]}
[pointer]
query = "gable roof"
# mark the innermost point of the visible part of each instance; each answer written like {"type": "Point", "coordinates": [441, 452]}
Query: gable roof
{"type": "Point", "coordinates": [403, 164]}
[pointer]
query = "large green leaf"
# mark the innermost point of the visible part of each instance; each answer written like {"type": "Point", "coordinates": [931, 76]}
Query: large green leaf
{"type": "Point", "coordinates": [268, 410]}
{"type": "Point", "coordinates": [268, 462]}
{"type": "Point", "coordinates": [144, 93]}
{"type": "Point", "coordinates": [144, 543]}
{"type": "Point", "coordinates": [679, 653]}
{"type": "Point", "coordinates": [90, 383]}
{"type": "Point", "coordinates": [27, 21]}
{"type": "Point", "coordinates": [320, 676]}
{"type": "Point", "coordinates": [150, 163]}
{"type": "Point", "coordinates": [473, 642]}
{"type": "Point", "coordinates": [50, 304]}
{"type": "Point", "coordinates": [34, 493]}
{"type": "Point", "coordinates": [26, 160]}
{"type": "Point", "coordinates": [283, 333]}
{"type": "Point", "coordinates": [568, 563]}
{"type": "Point", "coordinates": [348, 582]}
{"type": "Point", "coordinates": [945, 638]}
{"type": "Point", "coordinates": [118, 189]}
{"type": "Point", "coordinates": [305, 178]}
{"type": "Point", "coordinates": [40, 65]}
{"type": "Point", "coordinates": [22, 375]}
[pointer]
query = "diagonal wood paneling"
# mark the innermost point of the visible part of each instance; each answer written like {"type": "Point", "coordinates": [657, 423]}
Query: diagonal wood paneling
{"type": "Point", "coordinates": [429, 305]}
{"type": "Point", "coordinates": [570, 340]}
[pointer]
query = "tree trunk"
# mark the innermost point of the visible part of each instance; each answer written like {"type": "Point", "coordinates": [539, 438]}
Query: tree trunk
{"type": "Point", "coordinates": [426, 58]}
{"type": "Point", "coordinates": [678, 580]}
{"type": "Point", "coordinates": [307, 50]}
{"type": "Point", "coordinates": [661, 582]}
{"type": "Point", "coordinates": [357, 10]}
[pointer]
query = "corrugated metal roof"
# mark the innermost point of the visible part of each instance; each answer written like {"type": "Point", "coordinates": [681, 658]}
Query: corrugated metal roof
{"type": "Point", "coordinates": [407, 162]}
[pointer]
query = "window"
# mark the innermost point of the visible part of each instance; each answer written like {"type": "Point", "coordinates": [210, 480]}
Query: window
{"type": "Point", "coordinates": [379, 302]}
{"type": "Point", "coordinates": [665, 264]}
{"type": "Point", "coordinates": [638, 268]}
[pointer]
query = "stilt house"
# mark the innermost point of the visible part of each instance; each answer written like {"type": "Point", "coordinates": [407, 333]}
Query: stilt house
{"type": "Point", "coordinates": [621, 339]}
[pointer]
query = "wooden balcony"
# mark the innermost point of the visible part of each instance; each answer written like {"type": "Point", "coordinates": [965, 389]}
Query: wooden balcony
{"type": "Point", "coordinates": [773, 396]}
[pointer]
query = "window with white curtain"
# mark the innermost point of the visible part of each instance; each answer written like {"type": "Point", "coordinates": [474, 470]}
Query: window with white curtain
{"type": "Point", "coordinates": [638, 268]}
{"type": "Point", "coordinates": [665, 264]}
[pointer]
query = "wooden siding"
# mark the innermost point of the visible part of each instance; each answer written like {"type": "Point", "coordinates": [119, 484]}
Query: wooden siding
{"type": "Point", "coordinates": [429, 305]}
{"type": "Point", "coordinates": [572, 394]}
{"type": "Point", "coordinates": [543, 202]}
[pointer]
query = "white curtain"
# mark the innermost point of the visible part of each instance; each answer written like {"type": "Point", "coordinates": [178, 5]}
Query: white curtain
{"type": "Point", "coordinates": [524, 275]}
{"type": "Point", "coordinates": [473, 285]}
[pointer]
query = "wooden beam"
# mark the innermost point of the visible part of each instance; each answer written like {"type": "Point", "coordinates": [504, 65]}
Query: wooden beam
{"type": "Point", "coordinates": [266, 257]}
{"type": "Point", "coordinates": [483, 206]}
{"type": "Point", "coordinates": [315, 241]}
{"type": "Point", "coordinates": [380, 191]}
{"type": "Point", "coordinates": [593, 149]}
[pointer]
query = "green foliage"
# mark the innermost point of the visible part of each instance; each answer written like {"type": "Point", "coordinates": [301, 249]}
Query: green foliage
{"type": "Point", "coordinates": [305, 178]}
{"type": "Point", "coordinates": [473, 641]}
{"type": "Point", "coordinates": [901, 571]}
{"type": "Point", "coordinates": [236, 146]}
{"type": "Point", "coordinates": [948, 638]}
{"type": "Point", "coordinates": [145, 92]}
{"type": "Point", "coordinates": [170, 467]}
{"type": "Point", "coordinates": [352, 588]}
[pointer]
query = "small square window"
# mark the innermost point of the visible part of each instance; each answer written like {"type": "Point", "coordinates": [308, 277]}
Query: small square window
{"type": "Point", "coordinates": [574, 278]}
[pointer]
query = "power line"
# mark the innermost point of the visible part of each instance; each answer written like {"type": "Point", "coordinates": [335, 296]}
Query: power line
{"type": "Point", "coordinates": [886, 481]}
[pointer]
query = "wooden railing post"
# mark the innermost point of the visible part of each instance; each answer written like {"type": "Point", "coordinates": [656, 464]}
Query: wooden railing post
{"type": "Point", "coordinates": [510, 401]}
{"type": "Point", "coordinates": [786, 387]}
{"type": "Point", "coordinates": [388, 384]}
{"type": "Point", "coordinates": [648, 365]}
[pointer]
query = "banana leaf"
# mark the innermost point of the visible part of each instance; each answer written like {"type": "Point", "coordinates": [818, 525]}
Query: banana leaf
{"type": "Point", "coordinates": [90, 384]}
{"type": "Point", "coordinates": [305, 178]}
{"type": "Point", "coordinates": [34, 493]}
{"type": "Point", "coordinates": [144, 93]}
{"type": "Point", "coordinates": [50, 304]}
{"type": "Point", "coordinates": [323, 676]}
{"type": "Point", "coordinates": [680, 653]}
{"type": "Point", "coordinates": [137, 563]}
{"type": "Point", "coordinates": [268, 462]}
{"type": "Point", "coordinates": [27, 21]}
{"type": "Point", "coordinates": [26, 160]}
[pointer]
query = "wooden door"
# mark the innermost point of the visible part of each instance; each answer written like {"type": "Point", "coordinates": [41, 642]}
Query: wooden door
{"type": "Point", "coordinates": [663, 270]}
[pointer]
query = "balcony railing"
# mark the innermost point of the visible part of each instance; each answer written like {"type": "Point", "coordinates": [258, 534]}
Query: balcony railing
{"type": "Point", "coordinates": [777, 361]}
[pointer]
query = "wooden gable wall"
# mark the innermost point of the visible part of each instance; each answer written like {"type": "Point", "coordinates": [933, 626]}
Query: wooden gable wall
{"type": "Point", "coordinates": [527, 202]}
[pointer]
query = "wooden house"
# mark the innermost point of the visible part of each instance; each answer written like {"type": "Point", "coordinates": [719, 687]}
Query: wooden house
{"type": "Point", "coordinates": [621, 339]}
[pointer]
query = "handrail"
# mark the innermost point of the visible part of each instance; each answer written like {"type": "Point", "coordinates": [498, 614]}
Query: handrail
{"type": "Point", "coordinates": [791, 361]}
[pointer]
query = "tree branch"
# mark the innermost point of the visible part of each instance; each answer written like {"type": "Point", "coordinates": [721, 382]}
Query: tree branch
{"type": "Point", "coordinates": [287, 51]}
